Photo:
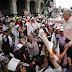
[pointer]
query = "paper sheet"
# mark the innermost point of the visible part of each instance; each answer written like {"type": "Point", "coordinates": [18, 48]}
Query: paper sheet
{"type": "Point", "coordinates": [25, 64]}
{"type": "Point", "coordinates": [13, 64]}
{"type": "Point", "coordinates": [48, 44]}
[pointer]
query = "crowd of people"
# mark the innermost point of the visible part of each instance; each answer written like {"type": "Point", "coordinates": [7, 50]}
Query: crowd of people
{"type": "Point", "coordinates": [20, 38]}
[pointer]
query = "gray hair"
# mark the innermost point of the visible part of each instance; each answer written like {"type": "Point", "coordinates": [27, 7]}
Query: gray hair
{"type": "Point", "coordinates": [68, 12]}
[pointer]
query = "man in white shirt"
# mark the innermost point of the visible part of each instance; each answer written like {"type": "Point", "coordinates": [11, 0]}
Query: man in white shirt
{"type": "Point", "coordinates": [34, 24]}
{"type": "Point", "coordinates": [67, 23]}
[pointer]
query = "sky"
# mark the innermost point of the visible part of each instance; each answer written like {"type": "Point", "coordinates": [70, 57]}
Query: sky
{"type": "Point", "coordinates": [64, 3]}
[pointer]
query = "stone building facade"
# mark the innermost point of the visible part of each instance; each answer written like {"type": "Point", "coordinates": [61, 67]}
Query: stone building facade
{"type": "Point", "coordinates": [17, 6]}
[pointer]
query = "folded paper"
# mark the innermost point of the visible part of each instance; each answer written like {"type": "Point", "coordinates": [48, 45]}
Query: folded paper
{"type": "Point", "coordinates": [13, 64]}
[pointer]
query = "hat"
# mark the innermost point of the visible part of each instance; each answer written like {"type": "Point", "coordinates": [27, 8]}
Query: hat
{"type": "Point", "coordinates": [43, 25]}
{"type": "Point", "coordinates": [43, 21]}
{"type": "Point", "coordinates": [24, 17]}
{"type": "Point", "coordinates": [37, 19]}
{"type": "Point", "coordinates": [58, 28]}
{"type": "Point", "coordinates": [7, 30]}
{"type": "Point", "coordinates": [51, 23]}
{"type": "Point", "coordinates": [19, 46]}
{"type": "Point", "coordinates": [61, 29]}
{"type": "Point", "coordinates": [62, 26]}
{"type": "Point", "coordinates": [32, 18]}
{"type": "Point", "coordinates": [7, 16]}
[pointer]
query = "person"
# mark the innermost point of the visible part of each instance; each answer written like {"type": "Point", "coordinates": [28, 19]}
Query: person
{"type": "Point", "coordinates": [22, 69]}
{"type": "Point", "coordinates": [67, 23]}
{"type": "Point", "coordinates": [15, 31]}
{"type": "Point", "coordinates": [43, 67]}
{"type": "Point", "coordinates": [18, 22]}
{"type": "Point", "coordinates": [39, 23]}
{"type": "Point", "coordinates": [33, 48]}
{"type": "Point", "coordinates": [29, 27]}
{"type": "Point", "coordinates": [37, 32]}
{"type": "Point", "coordinates": [22, 37]}
{"type": "Point", "coordinates": [61, 40]}
{"type": "Point", "coordinates": [7, 42]}
{"type": "Point", "coordinates": [34, 24]}
{"type": "Point", "coordinates": [53, 39]}
{"type": "Point", "coordinates": [44, 28]}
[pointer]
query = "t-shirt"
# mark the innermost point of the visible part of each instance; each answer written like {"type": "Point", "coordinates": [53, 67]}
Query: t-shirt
{"type": "Point", "coordinates": [48, 69]}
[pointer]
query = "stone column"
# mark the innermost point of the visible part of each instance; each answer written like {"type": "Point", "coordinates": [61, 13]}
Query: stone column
{"type": "Point", "coordinates": [28, 5]}
{"type": "Point", "coordinates": [13, 7]}
{"type": "Point", "coordinates": [39, 6]}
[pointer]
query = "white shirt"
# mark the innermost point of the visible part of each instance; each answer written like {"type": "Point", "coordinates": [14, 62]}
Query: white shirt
{"type": "Point", "coordinates": [16, 34]}
{"type": "Point", "coordinates": [39, 25]}
{"type": "Point", "coordinates": [53, 39]}
{"type": "Point", "coordinates": [67, 27]}
{"type": "Point", "coordinates": [48, 69]}
{"type": "Point", "coordinates": [34, 25]}
{"type": "Point", "coordinates": [29, 28]}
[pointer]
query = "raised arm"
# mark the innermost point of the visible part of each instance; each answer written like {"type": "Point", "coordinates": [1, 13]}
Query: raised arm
{"type": "Point", "coordinates": [64, 52]}
{"type": "Point", "coordinates": [56, 20]}
{"type": "Point", "coordinates": [56, 65]}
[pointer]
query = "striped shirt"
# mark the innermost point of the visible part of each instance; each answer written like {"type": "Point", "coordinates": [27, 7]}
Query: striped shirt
{"type": "Point", "coordinates": [67, 27]}
{"type": "Point", "coordinates": [68, 30]}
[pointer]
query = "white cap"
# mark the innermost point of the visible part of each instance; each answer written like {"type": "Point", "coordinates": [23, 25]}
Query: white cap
{"type": "Point", "coordinates": [51, 23]}
{"type": "Point", "coordinates": [29, 33]}
{"type": "Point", "coordinates": [19, 46]}
{"type": "Point", "coordinates": [5, 28]}
{"type": "Point", "coordinates": [58, 28]}
{"type": "Point", "coordinates": [28, 17]}
{"type": "Point", "coordinates": [43, 25]}
{"type": "Point", "coordinates": [43, 21]}
{"type": "Point", "coordinates": [61, 29]}
{"type": "Point", "coordinates": [7, 16]}
{"type": "Point", "coordinates": [37, 19]}
{"type": "Point", "coordinates": [32, 18]}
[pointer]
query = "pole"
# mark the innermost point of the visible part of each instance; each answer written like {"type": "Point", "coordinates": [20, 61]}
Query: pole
{"type": "Point", "coordinates": [44, 7]}
{"type": "Point", "coordinates": [39, 6]}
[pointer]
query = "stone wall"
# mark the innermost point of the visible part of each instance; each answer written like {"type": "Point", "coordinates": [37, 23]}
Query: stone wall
{"type": "Point", "coordinates": [17, 6]}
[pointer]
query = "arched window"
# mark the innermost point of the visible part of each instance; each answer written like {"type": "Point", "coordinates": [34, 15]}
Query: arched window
{"type": "Point", "coordinates": [21, 5]}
